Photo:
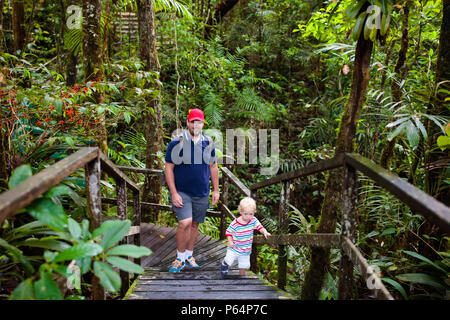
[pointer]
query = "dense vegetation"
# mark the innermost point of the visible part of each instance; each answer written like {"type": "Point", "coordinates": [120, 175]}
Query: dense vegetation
{"type": "Point", "coordinates": [293, 65]}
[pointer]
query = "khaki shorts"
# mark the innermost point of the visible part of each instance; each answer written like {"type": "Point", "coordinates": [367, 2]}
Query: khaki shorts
{"type": "Point", "coordinates": [193, 207]}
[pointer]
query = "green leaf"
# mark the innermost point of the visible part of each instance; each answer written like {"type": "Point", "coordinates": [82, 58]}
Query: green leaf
{"type": "Point", "coordinates": [48, 212]}
{"type": "Point", "coordinates": [358, 26]}
{"type": "Point", "coordinates": [74, 229]}
{"type": "Point", "coordinates": [116, 233]}
{"type": "Point", "coordinates": [412, 134]}
{"type": "Point", "coordinates": [425, 259]}
{"type": "Point", "coordinates": [353, 9]}
{"type": "Point", "coordinates": [59, 190]}
{"type": "Point", "coordinates": [19, 175]}
{"type": "Point", "coordinates": [397, 131]}
{"type": "Point", "coordinates": [79, 251]}
{"type": "Point", "coordinates": [50, 244]}
{"type": "Point", "coordinates": [388, 231]}
{"type": "Point", "coordinates": [125, 265]}
{"type": "Point", "coordinates": [18, 255]}
{"type": "Point", "coordinates": [109, 279]}
{"type": "Point", "coordinates": [421, 278]}
{"type": "Point", "coordinates": [24, 291]}
{"type": "Point", "coordinates": [130, 250]}
{"type": "Point", "coordinates": [397, 286]}
{"type": "Point", "coordinates": [443, 142]}
{"type": "Point", "coordinates": [46, 288]}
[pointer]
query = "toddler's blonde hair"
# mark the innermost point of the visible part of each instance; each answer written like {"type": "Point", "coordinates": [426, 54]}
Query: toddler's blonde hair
{"type": "Point", "coordinates": [247, 202]}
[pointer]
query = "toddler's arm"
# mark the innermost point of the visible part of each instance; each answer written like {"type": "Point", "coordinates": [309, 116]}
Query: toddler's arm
{"type": "Point", "coordinates": [230, 242]}
{"type": "Point", "coordinates": [265, 233]}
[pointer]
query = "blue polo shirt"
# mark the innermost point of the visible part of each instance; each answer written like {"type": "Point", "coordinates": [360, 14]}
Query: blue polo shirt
{"type": "Point", "coordinates": [192, 161]}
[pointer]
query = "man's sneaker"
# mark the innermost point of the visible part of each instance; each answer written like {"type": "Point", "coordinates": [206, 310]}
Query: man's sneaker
{"type": "Point", "coordinates": [190, 263]}
{"type": "Point", "coordinates": [177, 266]}
{"type": "Point", "coordinates": [224, 269]}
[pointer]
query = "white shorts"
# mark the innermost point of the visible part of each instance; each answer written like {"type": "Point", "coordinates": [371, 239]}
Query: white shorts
{"type": "Point", "coordinates": [243, 259]}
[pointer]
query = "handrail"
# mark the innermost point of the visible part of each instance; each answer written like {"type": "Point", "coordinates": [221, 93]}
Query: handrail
{"type": "Point", "coordinates": [24, 193]}
{"type": "Point", "coordinates": [238, 183]}
{"type": "Point", "coordinates": [92, 160]}
{"type": "Point", "coordinates": [316, 167]}
{"type": "Point", "coordinates": [415, 198]}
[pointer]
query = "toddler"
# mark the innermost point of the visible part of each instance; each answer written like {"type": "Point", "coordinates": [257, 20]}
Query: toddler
{"type": "Point", "coordinates": [240, 237]}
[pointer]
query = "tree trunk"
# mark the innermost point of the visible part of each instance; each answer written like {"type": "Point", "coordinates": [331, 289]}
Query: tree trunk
{"type": "Point", "coordinates": [440, 107]}
{"type": "Point", "coordinates": [320, 257]}
{"type": "Point", "coordinates": [220, 10]}
{"type": "Point", "coordinates": [388, 151]}
{"type": "Point", "coordinates": [92, 61]}
{"type": "Point", "coordinates": [18, 20]}
{"type": "Point", "coordinates": [436, 172]}
{"type": "Point", "coordinates": [153, 112]}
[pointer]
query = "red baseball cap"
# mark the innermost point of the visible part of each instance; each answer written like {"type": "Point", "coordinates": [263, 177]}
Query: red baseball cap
{"type": "Point", "coordinates": [196, 114]}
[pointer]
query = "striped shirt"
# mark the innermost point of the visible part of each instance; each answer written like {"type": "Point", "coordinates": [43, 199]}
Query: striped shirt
{"type": "Point", "coordinates": [243, 235]}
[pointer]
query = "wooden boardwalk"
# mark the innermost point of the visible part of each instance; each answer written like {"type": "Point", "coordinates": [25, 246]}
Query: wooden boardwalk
{"type": "Point", "coordinates": [204, 283]}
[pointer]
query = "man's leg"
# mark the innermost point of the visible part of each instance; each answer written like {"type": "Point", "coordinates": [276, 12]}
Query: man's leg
{"type": "Point", "coordinates": [184, 234]}
{"type": "Point", "coordinates": [193, 236]}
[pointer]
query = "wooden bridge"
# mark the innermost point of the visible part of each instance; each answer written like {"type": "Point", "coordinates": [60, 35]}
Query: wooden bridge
{"type": "Point", "coordinates": [157, 283]}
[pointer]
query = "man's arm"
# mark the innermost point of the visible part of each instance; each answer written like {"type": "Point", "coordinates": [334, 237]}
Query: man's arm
{"type": "Point", "coordinates": [170, 180]}
{"type": "Point", "coordinates": [214, 170]}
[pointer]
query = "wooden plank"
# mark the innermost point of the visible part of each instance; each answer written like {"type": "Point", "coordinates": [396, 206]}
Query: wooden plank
{"type": "Point", "coordinates": [323, 165]}
{"type": "Point", "coordinates": [193, 275]}
{"type": "Point", "coordinates": [109, 167]}
{"type": "Point", "coordinates": [215, 295]}
{"type": "Point", "coordinates": [367, 272]}
{"type": "Point", "coordinates": [326, 240]}
{"type": "Point", "coordinates": [133, 230]}
{"type": "Point", "coordinates": [234, 180]}
{"type": "Point", "coordinates": [416, 199]}
{"type": "Point", "coordinates": [226, 211]}
{"type": "Point", "coordinates": [189, 282]}
{"type": "Point", "coordinates": [158, 246]}
{"type": "Point", "coordinates": [139, 170]}
{"type": "Point", "coordinates": [194, 288]}
{"type": "Point", "coordinates": [283, 228]}
{"type": "Point", "coordinates": [24, 193]}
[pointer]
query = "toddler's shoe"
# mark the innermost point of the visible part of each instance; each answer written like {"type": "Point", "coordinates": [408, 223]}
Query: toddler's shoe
{"type": "Point", "coordinates": [190, 263]}
{"type": "Point", "coordinates": [177, 266]}
{"type": "Point", "coordinates": [224, 269]}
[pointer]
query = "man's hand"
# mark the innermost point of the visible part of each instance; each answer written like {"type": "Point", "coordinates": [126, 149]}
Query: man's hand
{"type": "Point", "coordinates": [215, 197]}
{"type": "Point", "coordinates": [177, 200]}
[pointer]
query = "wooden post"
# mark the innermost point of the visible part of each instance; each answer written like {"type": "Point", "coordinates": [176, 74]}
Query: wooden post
{"type": "Point", "coordinates": [137, 221]}
{"type": "Point", "coordinates": [254, 254]}
{"type": "Point", "coordinates": [348, 225]}
{"type": "Point", "coordinates": [121, 190]}
{"type": "Point", "coordinates": [282, 229]}
{"type": "Point", "coordinates": [224, 199]}
{"type": "Point", "coordinates": [94, 212]}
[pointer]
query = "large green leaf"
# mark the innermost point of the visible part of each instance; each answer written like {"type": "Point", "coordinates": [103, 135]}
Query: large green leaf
{"type": "Point", "coordinates": [50, 244]}
{"type": "Point", "coordinates": [125, 265]}
{"type": "Point", "coordinates": [19, 175]}
{"type": "Point", "coordinates": [49, 213]}
{"type": "Point", "coordinates": [397, 286]}
{"type": "Point", "coordinates": [116, 233]}
{"type": "Point", "coordinates": [130, 250]}
{"type": "Point", "coordinates": [17, 255]}
{"type": "Point", "coordinates": [421, 278]}
{"type": "Point", "coordinates": [59, 190]}
{"type": "Point", "coordinates": [47, 289]}
{"type": "Point", "coordinates": [425, 259]}
{"type": "Point", "coordinates": [79, 251]}
{"type": "Point", "coordinates": [74, 229]}
{"type": "Point", "coordinates": [109, 279]}
{"type": "Point", "coordinates": [24, 291]}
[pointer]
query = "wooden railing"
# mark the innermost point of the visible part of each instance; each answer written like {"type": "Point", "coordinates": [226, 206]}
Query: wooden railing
{"type": "Point", "coordinates": [94, 162]}
{"type": "Point", "coordinates": [416, 199]}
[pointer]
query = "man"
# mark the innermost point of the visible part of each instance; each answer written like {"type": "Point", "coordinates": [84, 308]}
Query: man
{"type": "Point", "coordinates": [190, 164]}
